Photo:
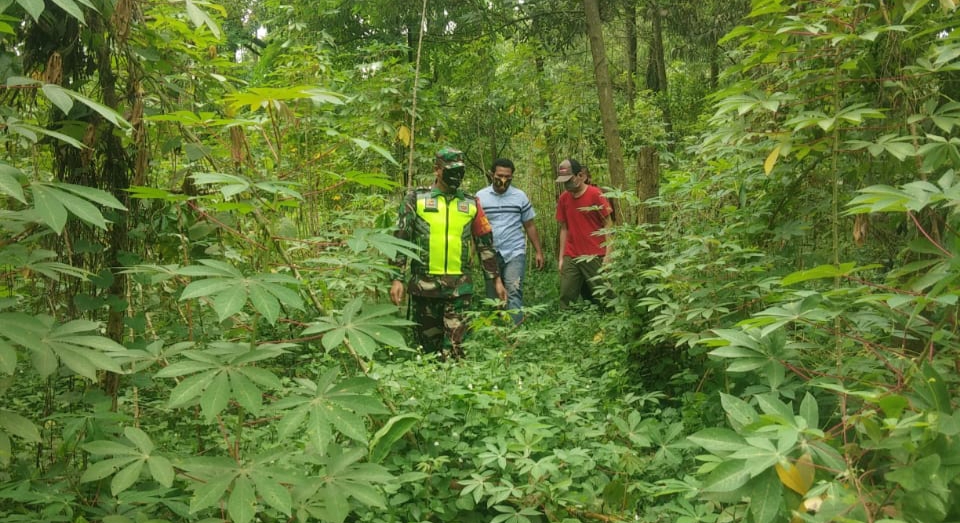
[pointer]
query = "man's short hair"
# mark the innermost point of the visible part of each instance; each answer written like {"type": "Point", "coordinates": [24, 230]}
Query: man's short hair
{"type": "Point", "coordinates": [502, 162]}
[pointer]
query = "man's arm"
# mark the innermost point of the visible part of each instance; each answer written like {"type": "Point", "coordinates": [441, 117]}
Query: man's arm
{"type": "Point", "coordinates": [483, 239]}
{"type": "Point", "coordinates": [563, 244]}
{"type": "Point", "coordinates": [531, 228]}
{"type": "Point", "coordinates": [404, 232]}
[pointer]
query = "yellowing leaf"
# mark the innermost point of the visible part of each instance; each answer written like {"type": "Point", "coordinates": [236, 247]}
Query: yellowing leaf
{"type": "Point", "coordinates": [403, 134]}
{"type": "Point", "coordinates": [771, 160]}
{"type": "Point", "coordinates": [799, 476]}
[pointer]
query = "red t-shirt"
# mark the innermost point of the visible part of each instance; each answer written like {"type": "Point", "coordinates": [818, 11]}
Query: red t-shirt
{"type": "Point", "coordinates": [584, 216]}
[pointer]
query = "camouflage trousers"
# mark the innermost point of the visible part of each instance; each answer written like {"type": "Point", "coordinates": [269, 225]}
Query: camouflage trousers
{"type": "Point", "coordinates": [441, 326]}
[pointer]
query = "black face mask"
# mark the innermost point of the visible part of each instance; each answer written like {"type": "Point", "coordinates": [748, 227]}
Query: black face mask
{"type": "Point", "coordinates": [500, 184]}
{"type": "Point", "coordinates": [453, 177]}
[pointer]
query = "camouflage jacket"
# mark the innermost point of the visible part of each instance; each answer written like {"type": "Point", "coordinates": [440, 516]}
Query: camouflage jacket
{"type": "Point", "coordinates": [442, 226]}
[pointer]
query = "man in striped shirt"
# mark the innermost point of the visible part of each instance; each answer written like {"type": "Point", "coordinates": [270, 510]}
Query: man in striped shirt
{"type": "Point", "coordinates": [511, 216]}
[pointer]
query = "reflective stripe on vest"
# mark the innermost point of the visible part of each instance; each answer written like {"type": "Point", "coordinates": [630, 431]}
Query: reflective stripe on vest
{"type": "Point", "coordinates": [449, 224]}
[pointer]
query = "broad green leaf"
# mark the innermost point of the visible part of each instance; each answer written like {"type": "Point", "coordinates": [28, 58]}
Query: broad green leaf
{"type": "Point", "coordinates": [182, 368]}
{"type": "Point", "coordinates": [71, 8]}
{"type": "Point", "coordinates": [242, 505]}
{"type": "Point", "coordinates": [94, 195]}
{"type": "Point", "coordinates": [211, 492]}
{"type": "Point", "coordinates": [10, 183]}
{"type": "Point", "coordinates": [19, 426]}
{"type": "Point", "coordinates": [933, 389]}
{"type": "Point", "coordinates": [766, 498]}
{"type": "Point", "coordinates": [230, 302]}
{"type": "Point", "coordinates": [810, 411]}
{"type": "Point", "coordinates": [348, 423]}
{"type": "Point", "coordinates": [79, 207]}
{"type": "Point", "coordinates": [216, 396]}
{"type": "Point", "coordinates": [101, 469]}
{"type": "Point", "coordinates": [106, 112]}
{"type": "Point", "coordinates": [728, 476]}
{"type": "Point", "coordinates": [8, 358]}
{"type": "Point", "coordinates": [264, 302]}
{"type": "Point", "coordinates": [139, 438]}
{"type": "Point", "coordinates": [190, 388]}
{"type": "Point", "coordinates": [819, 272]}
{"type": "Point", "coordinates": [56, 94]}
{"type": "Point", "coordinates": [48, 207]}
{"type": "Point", "coordinates": [719, 440]}
{"type": "Point", "coordinates": [739, 412]}
{"type": "Point", "coordinates": [273, 493]}
{"type": "Point", "coordinates": [771, 405]}
{"type": "Point", "coordinates": [126, 477]}
{"type": "Point", "coordinates": [390, 433]}
{"type": "Point", "coordinates": [105, 447]}
{"type": "Point", "coordinates": [161, 470]}
{"type": "Point", "coordinates": [5, 449]}
{"type": "Point", "coordinates": [248, 395]}
{"type": "Point", "coordinates": [33, 7]}
{"type": "Point", "coordinates": [206, 287]}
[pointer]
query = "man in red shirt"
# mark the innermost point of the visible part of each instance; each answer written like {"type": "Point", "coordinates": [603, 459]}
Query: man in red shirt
{"type": "Point", "coordinates": [583, 212]}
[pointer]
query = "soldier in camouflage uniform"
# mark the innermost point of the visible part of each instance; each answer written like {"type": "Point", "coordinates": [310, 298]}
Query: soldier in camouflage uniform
{"type": "Point", "coordinates": [441, 220]}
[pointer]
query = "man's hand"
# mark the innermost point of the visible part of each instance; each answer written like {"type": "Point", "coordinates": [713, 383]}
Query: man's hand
{"type": "Point", "coordinates": [539, 260]}
{"type": "Point", "coordinates": [501, 290]}
{"type": "Point", "coordinates": [396, 292]}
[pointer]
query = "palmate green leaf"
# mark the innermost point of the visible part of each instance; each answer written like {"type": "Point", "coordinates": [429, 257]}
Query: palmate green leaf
{"type": "Point", "coordinates": [47, 341]}
{"type": "Point", "coordinates": [33, 7]}
{"type": "Point", "coordinates": [262, 97]}
{"type": "Point", "coordinates": [363, 327]}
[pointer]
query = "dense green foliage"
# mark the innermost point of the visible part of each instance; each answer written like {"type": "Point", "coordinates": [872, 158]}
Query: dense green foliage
{"type": "Point", "coordinates": [197, 204]}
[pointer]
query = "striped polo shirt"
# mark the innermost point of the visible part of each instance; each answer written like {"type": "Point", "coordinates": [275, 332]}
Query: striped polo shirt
{"type": "Point", "coordinates": [507, 212]}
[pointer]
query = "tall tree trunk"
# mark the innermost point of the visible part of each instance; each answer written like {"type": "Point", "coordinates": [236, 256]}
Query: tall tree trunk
{"type": "Point", "coordinates": [631, 20]}
{"type": "Point", "coordinates": [608, 113]}
{"type": "Point", "coordinates": [648, 183]}
{"type": "Point", "coordinates": [657, 69]}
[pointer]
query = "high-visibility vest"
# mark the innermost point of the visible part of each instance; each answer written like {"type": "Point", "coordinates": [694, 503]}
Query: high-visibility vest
{"type": "Point", "coordinates": [447, 226]}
